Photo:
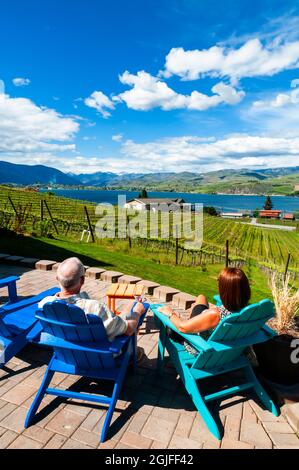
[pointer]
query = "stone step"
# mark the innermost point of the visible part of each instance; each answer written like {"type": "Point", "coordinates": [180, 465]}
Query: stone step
{"type": "Point", "coordinates": [149, 286]}
{"type": "Point", "coordinates": [13, 259]}
{"type": "Point", "coordinates": [45, 264]}
{"type": "Point", "coordinates": [29, 262]}
{"type": "Point", "coordinates": [111, 276]}
{"type": "Point", "coordinates": [3, 256]}
{"type": "Point", "coordinates": [183, 300]}
{"type": "Point", "coordinates": [126, 279]}
{"type": "Point", "coordinates": [165, 293]}
{"type": "Point", "coordinates": [94, 273]}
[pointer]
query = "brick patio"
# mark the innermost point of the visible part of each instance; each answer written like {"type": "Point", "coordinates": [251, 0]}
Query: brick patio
{"type": "Point", "coordinates": [152, 412]}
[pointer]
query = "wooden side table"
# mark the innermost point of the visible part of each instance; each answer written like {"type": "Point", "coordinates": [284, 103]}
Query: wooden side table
{"type": "Point", "coordinates": [122, 291]}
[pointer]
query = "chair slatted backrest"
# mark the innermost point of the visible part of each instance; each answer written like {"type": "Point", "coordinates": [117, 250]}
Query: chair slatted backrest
{"type": "Point", "coordinates": [236, 331]}
{"type": "Point", "coordinates": [69, 322]}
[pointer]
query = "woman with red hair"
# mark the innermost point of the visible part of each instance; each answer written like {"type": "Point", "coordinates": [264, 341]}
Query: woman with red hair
{"type": "Point", "coordinates": [234, 293]}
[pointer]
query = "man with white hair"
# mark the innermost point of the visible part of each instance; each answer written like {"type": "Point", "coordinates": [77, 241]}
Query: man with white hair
{"type": "Point", "coordinates": [70, 276]}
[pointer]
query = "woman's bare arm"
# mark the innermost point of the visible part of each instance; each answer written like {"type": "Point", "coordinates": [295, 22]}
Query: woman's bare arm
{"type": "Point", "coordinates": [206, 320]}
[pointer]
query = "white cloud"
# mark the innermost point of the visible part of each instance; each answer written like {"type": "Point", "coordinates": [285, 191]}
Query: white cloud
{"type": "Point", "coordinates": [252, 59]}
{"type": "Point", "coordinates": [191, 153]}
{"type": "Point", "coordinates": [27, 129]}
{"type": "Point", "coordinates": [149, 92]}
{"type": "Point", "coordinates": [100, 102]}
{"type": "Point", "coordinates": [117, 137]}
{"type": "Point", "coordinates": [21, 81]}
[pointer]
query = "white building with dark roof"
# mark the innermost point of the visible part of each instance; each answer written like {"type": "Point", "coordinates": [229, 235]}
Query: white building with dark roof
{"type": "Point", "coordinates": [156, 204]}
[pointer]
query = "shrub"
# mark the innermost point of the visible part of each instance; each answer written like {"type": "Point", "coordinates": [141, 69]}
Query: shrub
{"type": "Point", "coordinates": [286, 300]}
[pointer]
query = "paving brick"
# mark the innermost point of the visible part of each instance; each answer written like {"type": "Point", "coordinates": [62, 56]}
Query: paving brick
{"type": "Point", "coordinates": [111, 276]}
{"type": "Point", "coordinates": [56, 442]}
{"type": "Point", "coordinates": [6, 410]}
{"type": "Point", "coordinates": [167, 414]}
{"type": "Point", "coordinates": [15, 420]}
{"type": "Point", "coordinates": [227, 443]}
{"type": "Point", "coordinates": [179, 442]}
{"type": "Point", "coordinates": [39, 434]}
{"type": "Point", "coordinates": [65, 422]}
{"type": "Point", "coordinates": [254, 433]}
{"type": "Point", "coordinates": [110, 444]}
{"type": "Point", "coordinates": [200, 433]}
{"type": "Point", "coordinates": [55, 266]}
{"type": "Point", "coordinates": [138, 422]}
{"type": "Point", "coordinates": [184, 425]}
{"type": "Point", "coordinates": [158, 429]}
{"type": "Point", "coordinates": [7, 438]}
{"type": "Point", "coordinates": [158, 445]}
{"type": "Point", "coordinates": [89, 438]}
{"type": "Point", "coordinates": [165, 293]}
{"type": "Point", "coordinates": [284, 440]}
{"type": "Point", "coordinates": [23, 442]}
{"type": "Point", "coordinates": [283, 428]}
{"type": "Point", "coordinates": [248, 413]}
{"type": "Point", "coordinates": [136, 440]}
{"type": "Point", "coordinates": [183, 300]}
{"type": "Point", "coordinates": [94, 273]}
{"type": "Point", "coordinates": [149, 286]}
{"type": "Point", "coordinates": [232, 427]}
{"type": "Point", "coordinates": [71, 444]}
{"type": "Point", "coordinates": [92, 419]}
{"type": "Point", "coordinates": [125, 279]}
{"type": "Point", "coordinates": [265, 415]}
{"type": "Point", "coordinates": [45, 265]}
{"type": "Point", "coordinates": [19, 394]}
{"type": "Point", "coordinates": [291, 412]}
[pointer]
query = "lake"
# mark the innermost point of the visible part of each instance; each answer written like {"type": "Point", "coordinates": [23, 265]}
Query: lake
{"type": "Point", "coordinates": [223, 202]}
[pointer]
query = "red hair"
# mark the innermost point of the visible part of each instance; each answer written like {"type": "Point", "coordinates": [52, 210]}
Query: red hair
{"type": "Point", "coordinates": [234, 289]}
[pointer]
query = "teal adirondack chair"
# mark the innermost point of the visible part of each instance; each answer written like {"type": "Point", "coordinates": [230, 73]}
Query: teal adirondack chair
{"type": "Point", "coordinates": [222, 352]}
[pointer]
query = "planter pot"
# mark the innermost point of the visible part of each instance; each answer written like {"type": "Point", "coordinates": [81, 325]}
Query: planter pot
{"type": "Point", "coordinates": [274, 358]}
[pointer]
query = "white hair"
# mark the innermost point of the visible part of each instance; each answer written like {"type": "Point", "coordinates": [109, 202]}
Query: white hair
{"type": "Point", "coordinates": [69, 272]}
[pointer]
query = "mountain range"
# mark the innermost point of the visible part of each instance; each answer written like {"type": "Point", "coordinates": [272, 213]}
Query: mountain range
{"type": "Point", "coordinates": [243, 181]}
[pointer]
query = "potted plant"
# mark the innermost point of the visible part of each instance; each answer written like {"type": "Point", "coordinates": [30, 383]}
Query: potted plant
{"type": "Point", "coordinates": [278, 358]}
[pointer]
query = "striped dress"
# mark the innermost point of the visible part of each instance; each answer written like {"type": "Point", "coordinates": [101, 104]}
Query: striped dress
{"type": "Point", "coordinates": [206, 334]}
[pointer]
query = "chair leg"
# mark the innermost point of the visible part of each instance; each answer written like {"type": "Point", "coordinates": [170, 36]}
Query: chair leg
{"type": "Point", "coordinates": [260, 391]}
{"type": "Point", "coordinates": [39, 396]}
{"type": "Point", "coordinates": [161, 350]}
{"type": "Point", "coordinates": [201, 406]}
{"type": "Point", "coordinates": [134, 352]}
{"type": "Point", "coordinates": [115, 395]}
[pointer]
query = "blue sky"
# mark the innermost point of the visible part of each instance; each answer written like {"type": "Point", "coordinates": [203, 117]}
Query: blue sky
{"type": "Point", "coordinates": [141, 86]}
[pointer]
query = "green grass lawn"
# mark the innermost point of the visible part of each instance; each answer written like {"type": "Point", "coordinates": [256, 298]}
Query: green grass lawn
{"type": "Point", "coordinates": [188, 279]}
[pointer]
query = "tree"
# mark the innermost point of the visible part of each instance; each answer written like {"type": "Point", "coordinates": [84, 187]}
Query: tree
{"type": "Point", "coordinates": [143, 194]}
{"type": "Point", "coordinates": [256, 213]}
{"type": "Point", "coordinates": [268, 204]}
{"type": "Point", "coordinates": [210, 210]}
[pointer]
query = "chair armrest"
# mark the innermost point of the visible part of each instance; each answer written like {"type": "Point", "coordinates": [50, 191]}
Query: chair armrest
{"type": "Point", "coordinates": [11, 283]}
{"type": "Point", "coordinates": [118, 343]}
{"type": "Point", "coordinates": [217, 300]}
{"type": "Point", "coordinates": [8, 280]}
{"type": "Point", "coordinates": [197, 341]}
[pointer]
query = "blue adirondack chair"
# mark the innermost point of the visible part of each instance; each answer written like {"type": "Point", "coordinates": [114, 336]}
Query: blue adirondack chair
{"type": "Point", "coordinates": [17, 319]}
{"type": "Point", "coordinates": [81, 347]}
{"type": "Point", "coordinates": [222, 352]}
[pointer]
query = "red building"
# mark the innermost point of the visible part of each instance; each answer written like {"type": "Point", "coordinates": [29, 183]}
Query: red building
{"type": "Point", "coordinates": [270, 214]}
{"type": "Point", "coordinates": [288, 217]}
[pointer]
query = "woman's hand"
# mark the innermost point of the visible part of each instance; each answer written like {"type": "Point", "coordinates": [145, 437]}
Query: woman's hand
{"type": "Point", "coordinates": [166, 310]}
